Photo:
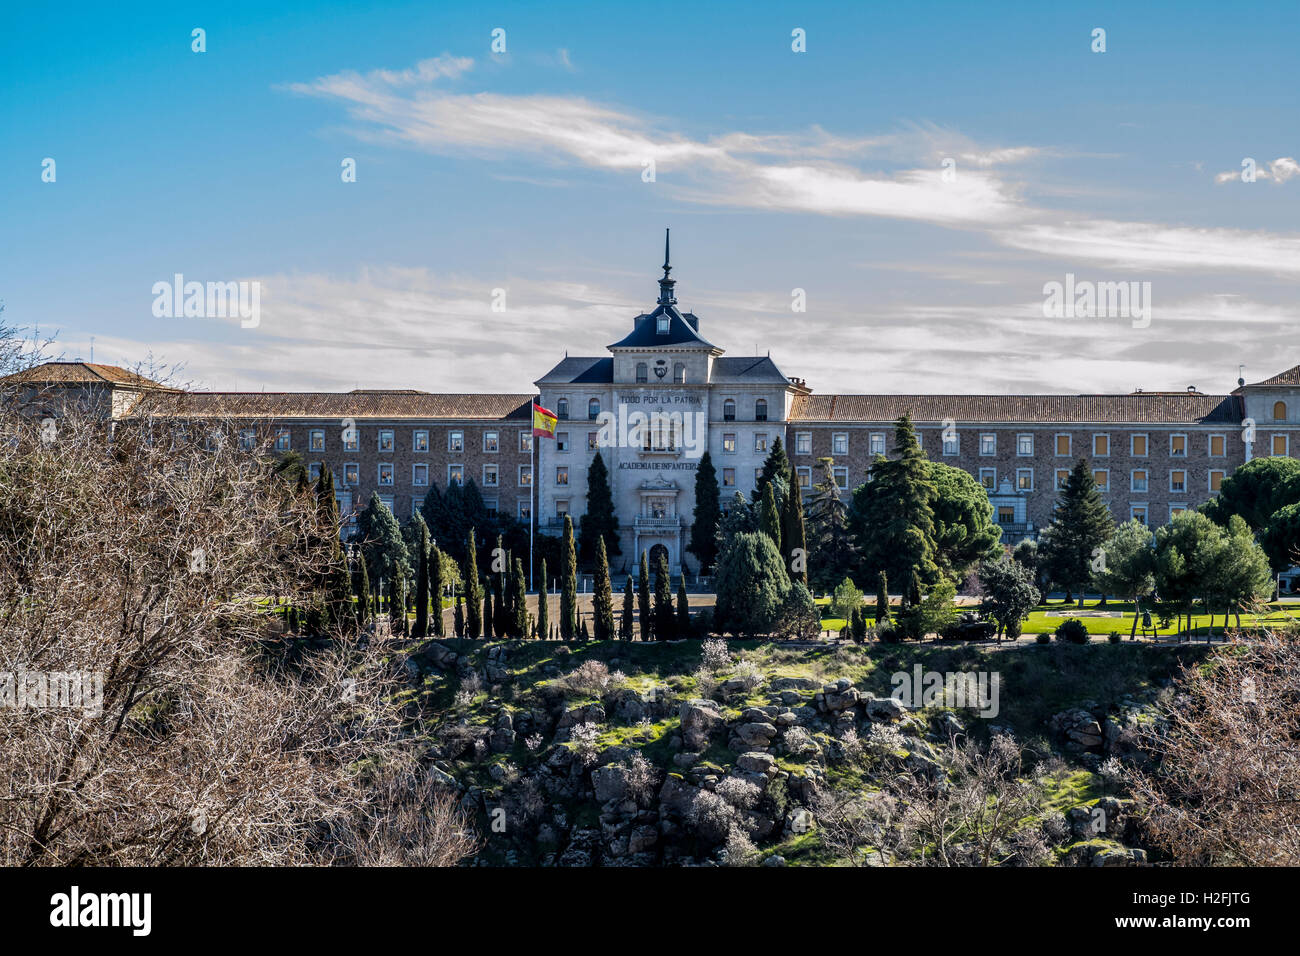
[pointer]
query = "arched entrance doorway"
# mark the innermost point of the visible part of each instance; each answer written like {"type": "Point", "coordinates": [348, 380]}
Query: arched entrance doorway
{"type": "Point", "coordinates": [657, 552]}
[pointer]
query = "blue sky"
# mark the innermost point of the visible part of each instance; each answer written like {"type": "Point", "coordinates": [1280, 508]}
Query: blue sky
{"type": "Point", "coordinates": [777, 170]}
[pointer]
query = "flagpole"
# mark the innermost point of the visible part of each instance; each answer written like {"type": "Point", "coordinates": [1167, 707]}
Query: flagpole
{"type": "Point", "coordinates": [532, 491]}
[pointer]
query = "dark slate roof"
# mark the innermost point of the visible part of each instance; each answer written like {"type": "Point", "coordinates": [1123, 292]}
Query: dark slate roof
{"type": "Point", "coordinates": [683, 330]}
{"type": "Point", "coordinates": [756, 370]}
{"type": "Point", "coordinates": [362, 404]}
{"type": "Point", "coordinates": [581, 370]}
{"type": "Point", "coordinates": [1155, 408]}
{"type": "Point", "coordinates": [1290, 377]}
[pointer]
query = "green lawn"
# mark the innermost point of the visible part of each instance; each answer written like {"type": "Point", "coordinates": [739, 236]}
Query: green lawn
{"type": "Point", "coordinates": [1045, 618]}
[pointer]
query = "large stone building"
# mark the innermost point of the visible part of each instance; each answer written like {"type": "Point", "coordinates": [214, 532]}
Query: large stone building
{"type": "Point", "coordinates": [663, 394]}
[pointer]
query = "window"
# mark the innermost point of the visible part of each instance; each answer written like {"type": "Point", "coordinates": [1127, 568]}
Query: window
{"type": "Point", "coordinates": [1100, 446]}
{"type": "Point", "coordinates": [1062, 476]}
{"type": "Point", "coordinates": [1138, 446]}
{"type": "Point", "coordinates": [456, 441]}
{"type": "Point", "coordinates": [642, 373]}
{"type": "Point", "coordinates": [1281, 444]}
{"type": "Point", "coordinates": [1176, 510]}
{"type": "Point", "coordinates": [1025, 479]}
{"type": "Point", "coordinates": [1178, 446]}
{"type": "Point", "coordinates": [561, 441]}
{"type": "Point", "coordinates": [491, 442]}
{"type": "Point", "coordinates": [1062, 445]}
{"type": "Point", "coordinates": [247, 438]}
{"type": "Point", "coordinates": [988, 444]}
{"type": "Point", "coordinates": [526, 441]}
{"type": "Point", "coordinates": [661, 326]}
{"type": "Point", "coordinates": [804, 474]}
{"type": "Point", "coordinates": [316, 440]}
{"type": "Point", "coordinates": [840, 443]}
{"type": "Point", "coordinates": [1218, 446]}
{"type": "Point", "coordinates": [1138, 513]}
{"type": "Point", "coordinates": [729, 411]}
{"type": "Point", "coordinates": [1025, 445]}
{"type": "Point", "coordinates": [760, 443]}
{"type": "Point", "coordinates": [313, 470]}
{"type": "Point", "coordinates": [351, 438]}
{"type": "Point", "coordinates": [728, 444]}
{"type": "Point", "coordinates": [388, 501]}
{"type": "Point", "coordinates": [1137, 481]}
{"type": "Point", "coordinates": [490, 476]}
{"type": "Point", "coordinates": [420, 474]}
{"type": "Point", "coordinates": [490, 504]}
{"type": "Point", "coordinates": [455, 474]}
{"type": "Point", "coordinates": [803, 443]}
{"type": "Point", "coordinates": [593, 409]}
{"type": "Point", "coordinates": [282, 441]}
{"type": "Point", "coordinates": [351, 474]}
{"type": "Point", "coordinates": [562, 408]}
{"type": "Point", "coordinates": [525, 475]}
{"type": "Point", "coordinates": [385, 439]}
{"type": "Point", "coordinates": [420, 440]}
{"type": "Point", "coordinates": [562, 475]}
{"type": "Point", "coordinates": [1216, 480]}
{"type": "Point", "coordinates": [562, 509]}
{"type": "Point", "coordinates": [525, 509]}
{"type": "Point", "coordinates": [1178, 481]}
{"type": "Point", "coordinates": [1006, 514]}
{"type": "Point", "coordinates": [679, 373]}
{"type": "Point", "coordinates": [989, 478]}
{"type": "Point", "coordinates": [728, 477]}
{"type": "Point", "coordinates": [593, 441]}
{"type": "Point", "coordinates": [385, 473]}
{"type": "Point", "coordinates": [876, 443]}
{"type": "Point", "coordinates": [841, 475]}
{"type": "Point", "coordinates": [1279, 411]}
{"type": "Point", "coordinates": [760, 410]}
{"type": "Point", "coordinates": [951, 442]}
{"type": "Point", "coordinates": [1101, 478]}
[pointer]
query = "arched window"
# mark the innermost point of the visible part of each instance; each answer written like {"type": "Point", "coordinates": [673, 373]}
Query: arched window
{"type": "Point", "coordinates": [593, 409]}
{"type": "Point", "coordinates": [679, 373]}
{"type": "Point", "coordinates": [661, 327]}
{"type": "Point", "coordinates": [1279, 411]}
{"type": "Point", "coordinates": [760, 410]}
{"type": "Point", "coordinates": [729, 411]}
{"type": "Point", "coordinates": [562, 408]}
{"type": "Point", "coordinates": [641, 372]}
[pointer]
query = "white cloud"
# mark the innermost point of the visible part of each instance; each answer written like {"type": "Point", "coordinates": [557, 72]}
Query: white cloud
{"type": "Point", "coordinates": [1279, 171]}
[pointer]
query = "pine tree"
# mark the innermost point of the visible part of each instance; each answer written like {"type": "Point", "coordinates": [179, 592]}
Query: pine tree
{"type": "Point", "coordinates": [776, 468]}
{"type": "Point", "coordinates": [382, 542]}
{"type": "Point", "coordinates": [600, 521]}
{"type": "Point", "coordinates": [1081, 524]}
{"type": "Point", "coordinates": [882, 598]}
{"type": "Point", "coordinates": [422, 586]}
{"type": "Point", "coordinates": [602, 598]}
{"type": "Point", "coordinates": [832, 552]}
{"type": "Point", "coordinates": [435, 590]}
{"type": "Point", "coordinates": [568, 584]}
{"type": "Point", "coordinates": [793, 538]}
{"type": "Point", "coordinates": [473, 613]}
{"type": "Point", "coordinates": [544, 608]}
{"type": "Point", "coordinates": [627, 623]}
{"type": "Point", "coordinates": [683, 609]}
{"type": "Point", "coordinates": [519, 603]}
{"type": "Point", "coordinates": [665, 623]}
{"type": "Point", "coordinates": [643, 599]}
{"type": "Point", "coordinates": [769, 518]}
{"type": "Point", "coordinates": [708, 512]}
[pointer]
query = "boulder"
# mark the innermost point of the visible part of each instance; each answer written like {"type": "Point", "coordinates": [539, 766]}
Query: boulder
{"type": "Point", "coordinates": [700, 722]}
{"type": "Point", "coordinates": [609, 783]}
{"type": "Point", "coordinates": [756, 736]}
{"type": "Point", "coordinates": [885, 708]}
{"type": "Point", "coordinates": [757, 763]}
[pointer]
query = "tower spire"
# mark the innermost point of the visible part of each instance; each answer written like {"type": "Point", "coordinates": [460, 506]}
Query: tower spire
{"type": "Point", "coordinates": [666, 284]}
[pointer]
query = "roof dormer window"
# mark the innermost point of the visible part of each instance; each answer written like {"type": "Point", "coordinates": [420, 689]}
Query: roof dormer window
{"type": "Point", "coordinates": [661, 325]}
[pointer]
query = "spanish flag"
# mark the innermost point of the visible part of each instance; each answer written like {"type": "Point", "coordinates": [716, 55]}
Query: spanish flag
{"type": "Point", "coordinates": [543, 422]}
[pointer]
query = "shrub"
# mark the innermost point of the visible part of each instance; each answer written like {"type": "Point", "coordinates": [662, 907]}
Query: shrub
{"type": "Point", "coordinates": [1072, 630]}
{"type": "Point", "coordinates": [1114, 637]}
{"type": "Point", "coordinates": [889, 634]}
{"type": "Point", "coordinates": [714, 654]}
{"type": "Point", "coordinates": [1043, 638]}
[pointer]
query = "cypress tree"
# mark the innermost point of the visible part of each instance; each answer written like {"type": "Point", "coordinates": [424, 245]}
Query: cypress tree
{"type": "Point", "coordinates": [519, 603]}
{"type": "Point", "coordinates": [775, 467]}
{"type": "Point", "coordinates": [397, 604]}
{"type": "Point", "coordinates": [489, 616]}
{"type": "Point", "coordinates": [914, 590]}
{"type": "Point", "coordinates": [544, 608]}
{"type": "Point", "coordinates": [793, 534]}
{"type": "Point", "coordinates": [643, 599]}
{"type": "Point", "coordinates": [435, 590]}
{"type": "Point", "coordinates": [361, 587]}
{"type": "Point", "coordinates": [882, 598]}
{"type": "Point", "coordinates": [683, 609]}
{"type": "Point", "coordinates": [422, 586]}
{"type": "Point", "coordinates": [602, 597]}
{"type": "Point", "coordinates": [600, 521]}
{"type": "Point", "coordinates": [337, 582]}
{"type": "Point", "coordinates": [665, 623]}
{"type": "Point", "coordinates": [458, 617]}
{"type": "Point", "coordinates": [473, 613]}
{"type": "Point", "coordinates": [505, 615]}
{"type": "Point", "coordinates": [568, 584]}
{"type": "Point", "coordinates": [627, 624]}
{"type": "Point", "coordinates": [769, 518]}
{"type": "Point", "coordinates": [708, 512]}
